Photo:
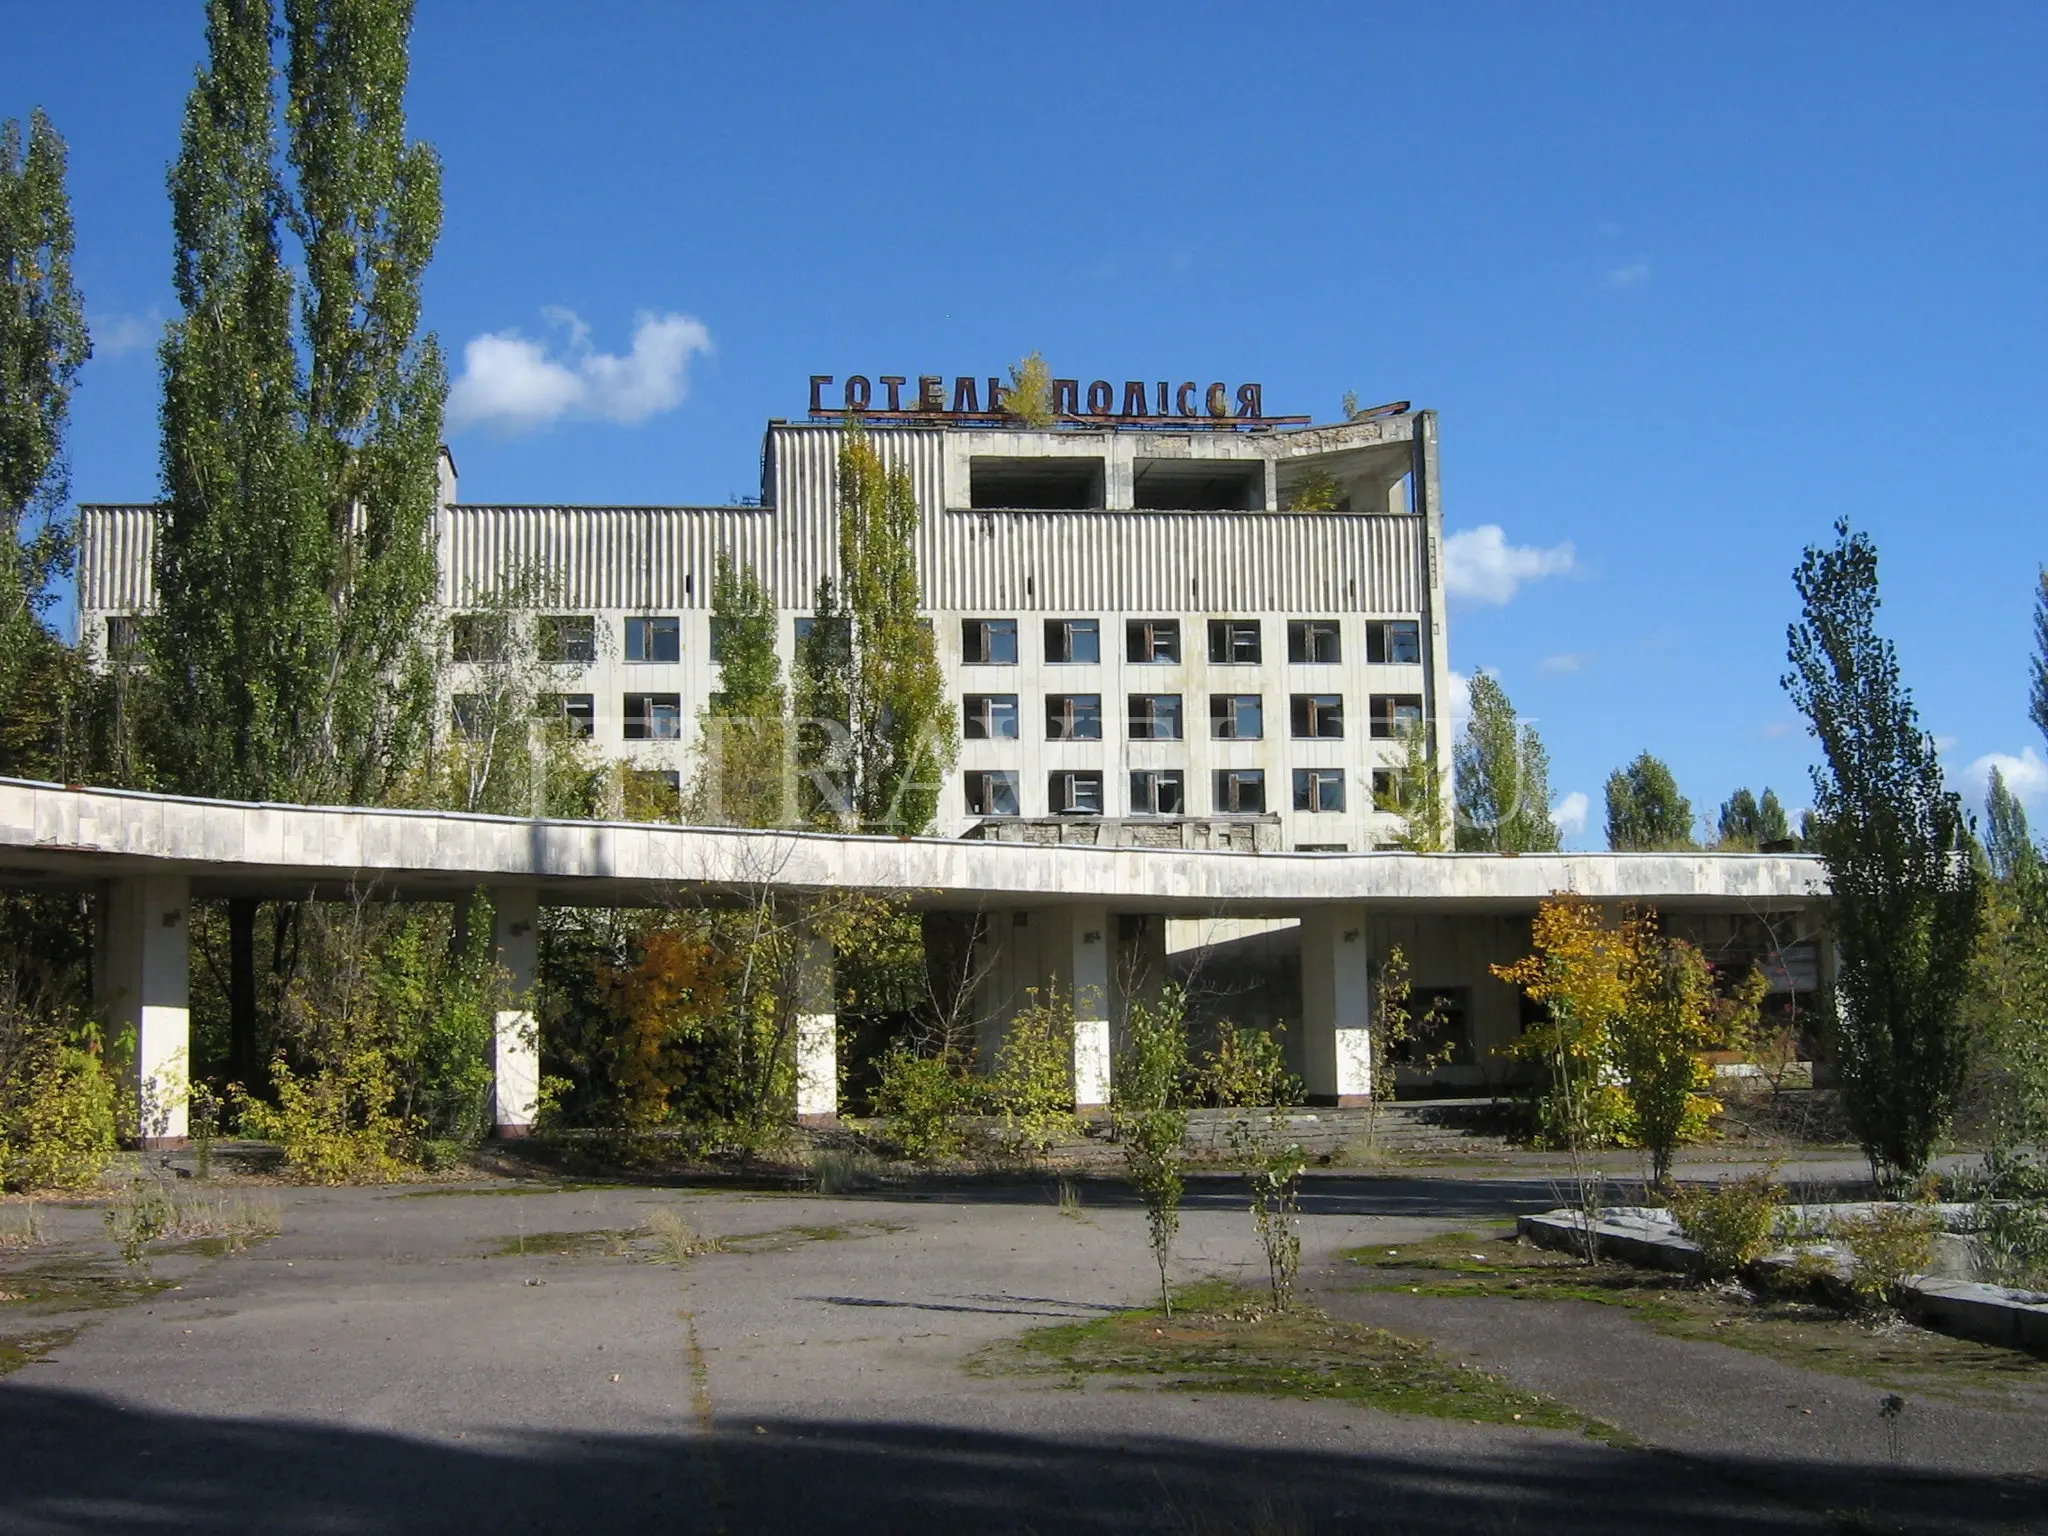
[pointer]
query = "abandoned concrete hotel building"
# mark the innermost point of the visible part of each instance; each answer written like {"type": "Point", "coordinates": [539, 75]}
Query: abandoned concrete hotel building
{"type": "Point", "coordinates": [1169, 622]}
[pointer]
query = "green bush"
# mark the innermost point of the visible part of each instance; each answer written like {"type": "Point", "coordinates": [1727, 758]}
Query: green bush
{"type": "Point", "coordinates": [1731, 1221]}
{"type": "Point", "coordinates": [57, 1127]}
{"type": "Point", "coordinates": [1033, 1086]}
{"type": "Point", "coordinates": [1891, 1243]}
{"type": "Point", "coordinates": [2012, 1243]}
{"type": "Point", "coordinates": [920, 1100]}
{"type": "Point", "coordinates": [335, 1125]}
{"type": "Point", "coordinates": [1246, 1069]}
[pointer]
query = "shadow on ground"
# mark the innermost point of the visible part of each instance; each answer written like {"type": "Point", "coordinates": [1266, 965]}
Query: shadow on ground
{"type": "Point", "coordinates": [74, 1463]}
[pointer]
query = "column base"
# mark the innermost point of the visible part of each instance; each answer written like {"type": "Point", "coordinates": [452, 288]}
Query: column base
{"type": "Point", "coordinates": [821, 1120]}
{"type": "Point", "coordinates": [511, 1132]}
{"type": "Point", "coordinates": [162, 1143]}
{"type": "Point", "coordinates": [1339, 1100]}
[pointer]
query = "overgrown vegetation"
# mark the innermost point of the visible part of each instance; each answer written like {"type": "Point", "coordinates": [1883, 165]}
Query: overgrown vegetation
{"type": "Point", "coordinates": [1731, 1221]}
{"type": "Point", "coordinates": [1149, 1107]}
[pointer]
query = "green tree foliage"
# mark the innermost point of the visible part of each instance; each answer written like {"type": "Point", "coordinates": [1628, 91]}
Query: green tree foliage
{"type": "Point", "coordinates": [1029, 399]}
{"type": "Point", "coordinates": [1415, 793]}
{"type": "Point", "coordinates": [1745, 823]}
{"type": "Point", "coordinates": [1151, 1118]}
{"type": "Point", "coordinates": [1033, 1082]}
{"type": "Point", "coordinates": [876, 726]}
{"type": "Point", "coordinates": [1503, 778]}
{"type": "Point", "coordinates": [301, 416]}
{"type": "Point", "coordinates": [1906, 903]}
{"type": "Point", "coordinates": [2008, 842]}
{"type": "Point", "coordinates": [1645, 811]}
{"type": "Point", "coordinates": [1316, 491]}
{"type": "Point", "coordinates": [743, 780]}
{"type": "Point", "coordinates": [43, 344]}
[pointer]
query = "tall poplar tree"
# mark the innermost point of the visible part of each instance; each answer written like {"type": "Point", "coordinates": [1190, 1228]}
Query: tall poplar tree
{"type": "Point", "coordinates": [301, 422]}
{"type": "Point", "coordinates": [1503, 778]}
{"type": "Point", "coordinates": [870, 666]}
{"type": "Point", "coordinates": [742, 779]}
{"type": "Point", "coordinates": [1905, 885]}
{"type": "Point", "coordinates": [1645, 811]}
{"type": "Point", "coordinates": [43, 344]}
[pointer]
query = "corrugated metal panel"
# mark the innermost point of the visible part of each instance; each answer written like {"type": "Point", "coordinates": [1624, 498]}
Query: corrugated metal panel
{"type": "Point", "coordinates": [116, 550]}
{"type": "Point", "coordinates": [1172, 561]}
{"type": "Point", "coordinates": [614, 557]}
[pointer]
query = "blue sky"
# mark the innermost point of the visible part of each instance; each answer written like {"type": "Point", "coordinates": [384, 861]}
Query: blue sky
{"type": "Point", "coordinates": [1685, 282]}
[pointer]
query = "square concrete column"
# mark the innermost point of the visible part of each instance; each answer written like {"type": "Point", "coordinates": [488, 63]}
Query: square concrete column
{"type": "Point", "coordinates": [1080, 946]}
{"type": "Point", "coordinates": [143, 975]}
{"type": "Point", "coordinates": [817, 1031]}
{"type": "Point", "coordinates": [515, 950]}
{"type": "Point", "coordinates": [1336, 1005]}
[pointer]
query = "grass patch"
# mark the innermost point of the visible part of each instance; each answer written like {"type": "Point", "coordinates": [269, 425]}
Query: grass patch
{"type": "Point", "coordinates": [28, 1349]}
{"type": "Point", "coordinates": [668, 1238]}
{"type": "Point", "coordinates": [1887, 1352]}
{"type": "Point", "coordinates": [1222, 1338]}
{"type": "Point", "coordinates": [608, 1242]}
{"type": "Point", "coordinates": [72, 1286]}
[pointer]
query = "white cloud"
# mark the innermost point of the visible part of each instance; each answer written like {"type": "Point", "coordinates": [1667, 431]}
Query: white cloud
{"type": "Point", "coordinates": [2026, 776]}
{"type": "Point", "coordinates": [1569, 661]}
{"type": "Point", "coordinates": [1776, 730]}
{"type": "Point", "coordinates": [514, 383]}
{"type": "Point", "coordinates": [1634, 275]}
{"type": "Point", "coordinates": [116, 335]}
{"type": "Point", "coordinates": [1569, 814]}
{"type": "Point", "coordinates": [1461, 703]}
{"type": "Point", "coordinates": [1481, 564]}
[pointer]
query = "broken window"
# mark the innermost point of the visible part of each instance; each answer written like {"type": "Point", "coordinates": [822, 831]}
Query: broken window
{"type": "Point", "coordinates": [1075, 794]}
{"type": "Point", "coordinates": [989, 717]}
{"type": "Point", "coordinates": [655, 638]}
{"type": "Point", "coordinates": [1073, 717]}
{"type": "Point", "coordinates": [1155, 717]}
{"type": "Point", "coordinates": [1314, 642]}
{"type": "Point", "coordinates": [653, 716]}
{"type": "Point", "coordinates": [477, 637]}
{"type": "Point", "coordinates": [1316, 716]}
{"type": "Point", "coordinates": [1152, 640]}
{"type": "Point", "coordinates": [1157, 792]}
{"type": "Point", "coordinates": [1319, 789]}
{"type": "Point", "coordinates": [992, 792]}
{"type": "Point", "coordinates": [988, 642]}
{"type": "Point", "coordinates": [1393, 641]}
{"type": "Point", "coordinates": [1234, 642]}
{"type": "Point", "coordinates": [1237, 716]}
{"type": "Point", "coordinates": [1073, 640]}
{"type": "Point", "coordinates": [565, 638]}
{"type": "Point", "coordinates": [1240, 791]}
{"type": "Point", "coordinates": [576, 711]}
{"type": "Point", "coordinates": [1395, 714]}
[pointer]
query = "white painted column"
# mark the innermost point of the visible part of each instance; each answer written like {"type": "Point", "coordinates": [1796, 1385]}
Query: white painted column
{"type": "Point", "coordinates": [1336, 1004]}
{"type": "Point", "coordinates": [143, 978]}
{"type": "Point", "coordinates": [1085, 956]}
{"type": "Point", "coordinates": [515, 950]}
{"type": "Point", "coordinates": [817, 1031]}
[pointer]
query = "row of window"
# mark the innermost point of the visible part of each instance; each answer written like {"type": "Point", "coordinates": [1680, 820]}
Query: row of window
{"type": "Point", "coordinates": [571, 638]}
{"type": "Point", "coordinates": [1232, 642]}
{"type": "Point", "coordinates": [993, 716]}
{"type": "Point", "coordinates": [1159, 716]}
{"type": "Point", "coordinates": [1154, 792]}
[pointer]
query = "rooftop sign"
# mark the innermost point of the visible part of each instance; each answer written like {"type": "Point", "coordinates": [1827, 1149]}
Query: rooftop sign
{"type": "Point", "coordinates": [897, 397]}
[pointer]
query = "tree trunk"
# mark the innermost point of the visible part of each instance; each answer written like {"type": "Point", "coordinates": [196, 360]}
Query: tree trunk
{"type": "Point", "coordinates": [243, 1066]}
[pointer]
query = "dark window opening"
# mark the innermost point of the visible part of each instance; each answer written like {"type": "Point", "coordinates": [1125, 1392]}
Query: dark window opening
{"type": "Point", "coordinates": [569, 638]}
{"type": "Point", "coordinates": [577, 712]}
{"type": "Point", "coordinates": [1155, 717]}
{"type": "Point", "coordinates": [1199, 485]}
{"type": "Point", "coordinates": [1157, 792]}
{"type": "Point", "coordinates": [1152, 640]}
{"type": "Point", "coordinates": [1234, 642]}
{"type": "Point", "coordinates": [1319, 789]}
{"type": "Point", "coordinates": [1317, 716]}
{"type": "Point", "coordinates": [1314, 642]}
{"type": "Point", "coordinates": [992, 793]}
{"type": "Point", "coordinates": [1073, 717]}
{"type": "Point", "coordinates": [1240, 791]}
{"type": "Point", "coordinates": [472, 718]}
{"type": "Point", "coordinates": [1035, 485]}
{"type": "Point", "coordinates": [1075, 794]}
{"type": "Point", "coordinates": [477, 637]}
{"type": "Point", "coordinates": [1393, 641]}
{"type": "Point", "coordinates": [1237, 716]}
{"type": "Point", "coordinates": [1439, 1028]}
{"type": "Point", "coordinates": [989, 717]}
{"type": "Point", "coordinates": [988, 642]}
{"type": "Point", "coordinates": [1073, 640]}
{"type": "Point", "coordinates": [653, 716]}
{"type": "Point", "coordinates": [1396, 714]}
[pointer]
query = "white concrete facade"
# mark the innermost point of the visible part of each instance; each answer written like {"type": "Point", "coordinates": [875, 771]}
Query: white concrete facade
{"type": "Point", "coordinates": [1126, 555]}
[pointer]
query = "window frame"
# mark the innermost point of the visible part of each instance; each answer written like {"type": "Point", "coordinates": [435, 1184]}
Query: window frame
{"type": "Point", "coordinates": [1379, 642]}
{"type": "Point", "coordinates": [1224, 710]}
{"type": "Point", "coordinates": [1071, 715]}
{"type": "Point", "coordinates": [1384, 722]}
{"type": "Point", "coordinates": [642, 627]}
{"type": "Point", "coordinates": [1308, 786]}
{"type": "Point", "coordinates": [1145, 799]}
{"type": "Point", "coordinates": [1222, 782]}
{"type": "Point", "coordinates": [650, 716]}
{"type": "Point", "coordinates": [551, 647]}
{"type": "Point", "coordinates": [987, 717]}
{"type": "Point", "coordinates": [1309, 716]}
{"type": "Point", "coordinates": [985, 630]}
{"type": "Point", "coordinates": [559, 706]}
{"type": "Point", "coordinates": [1146, 727]}
{"type": "Point", "coordinates": [1061, 781]}
{"type": "Point", "coordinates": [1151, 636]}
{"type": "Point", "coordinates": [1059, 652]}
{"type": "Point", "coordinates": [984, 779]}
{"type": "Point", "coordinates": [1224, 635]}
{"type": "Point", "coordinates": [478, 639]}
{"type": "Point", "coordinates": [1301, 633]}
